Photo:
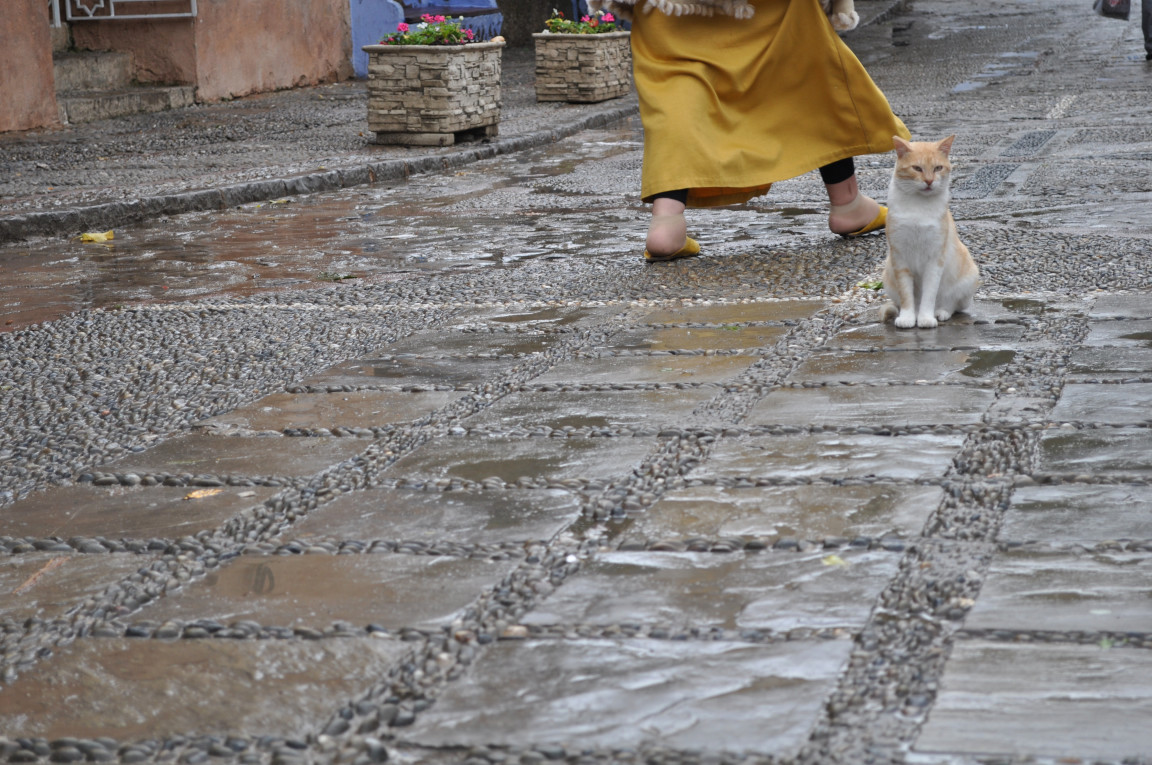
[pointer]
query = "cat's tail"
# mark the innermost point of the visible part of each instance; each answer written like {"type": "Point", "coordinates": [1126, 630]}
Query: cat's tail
{"type": "Point", "coordinates": [889, 310]}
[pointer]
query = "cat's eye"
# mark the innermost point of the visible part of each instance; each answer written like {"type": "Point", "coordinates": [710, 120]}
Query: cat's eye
{"type": "Point", "coordinates": [917, 168]}
{"type": "Point", "coordinates": [939, 168]}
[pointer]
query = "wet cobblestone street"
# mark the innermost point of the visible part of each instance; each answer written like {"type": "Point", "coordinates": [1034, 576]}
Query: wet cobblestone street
{"type": "Point", "coordinates": [438, 470]}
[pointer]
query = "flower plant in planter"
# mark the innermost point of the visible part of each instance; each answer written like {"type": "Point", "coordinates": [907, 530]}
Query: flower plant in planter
{"type": "Point", "coordinates": [583, 61]}
{"type": "Point", "coordinates": [431, 83]}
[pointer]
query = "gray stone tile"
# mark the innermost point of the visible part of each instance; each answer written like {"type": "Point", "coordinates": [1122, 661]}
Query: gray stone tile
{"type": "Point", "coordinates": [479, 458]}
{"type": "Point", "coordinates": [1128, 404]}
{"type": "Point", "coordinates": [725, 338]}
{"type": "Point", "coordinates": [901, 366]}
{"type": "Point", "coordinates": [467, 517]}
{"type": "Point", "coordinates": [1050, 590]}
{"type": "Point", "coordinates": [872, 406]}
{"type": "Point", "coordinates": [814, 512]}
{"type": "Point", "coordinates": [117, 512]}
{"type": "Point", "coordinates": [776, 591]}
{"type": "Point", "coordinates": [1127, 333]}
{"type": "Point", "coordinates": [439, 343]}
{"type": "Point", "coordinates": [832, 456]}
{"type": "Point", "coordinates": [351, 409]}
{"type": "Point", "coordinates": [1043, 700]}
{"type": "Point", "coordinates": [394, 591]}
{"type": "Point", "coordinates": [592, 409]}
{"type": "Point", "coordinates": [550, 318]}
{"type": "Point", "coordinates": [1107, 363]}
{"type": "Point", "coordinates": [782, 310]}
{"type": "Point", "coordinates": [46, 585]}
{"type": "Point", "coordinates": [710, 696]}
{"type": "Point", "coordinates": [237, 455]}
{"type": "Point", "coordinates": [1097, 452]}
{"type": "Point", "coordinates": [956, 334]}
{"type": "Point", "coordinates": [1122, 307]}
{"type": "Point", "coordinates": [131, 689]}
{"type": "Point", "coordinates": [648, 369]}
{"type": "Point", "coordinates": [412, 372]}
{"type": "Point", "coordinates": [1078, 513]}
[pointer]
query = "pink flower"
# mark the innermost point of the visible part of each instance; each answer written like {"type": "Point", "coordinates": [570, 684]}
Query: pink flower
{"type": "Point", "coordinates": [438, 19]}
{"type": "Point", "coordinates": [609, 17]}
{"type": "Point", "coordinates": [585, 19]}
{"type": "Point", "coordinates": [468, 34]}
{"type": "Point", "coordinates": [401, 27]}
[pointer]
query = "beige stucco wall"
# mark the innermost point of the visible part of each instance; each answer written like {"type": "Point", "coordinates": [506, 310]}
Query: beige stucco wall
{"type": "Point", "coordinates": [27, 93]}
{"type": "Point", "coordinates": [264, 45]}
{"type": "Point", "coordinates": [234, 48]}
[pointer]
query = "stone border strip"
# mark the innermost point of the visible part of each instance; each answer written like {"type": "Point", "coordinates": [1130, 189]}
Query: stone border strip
{"type": "Point", "coordinates": [18, 227]}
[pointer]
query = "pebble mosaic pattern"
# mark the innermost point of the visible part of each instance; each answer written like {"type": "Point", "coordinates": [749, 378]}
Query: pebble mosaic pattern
{"type": "Point", "coordinates": [708, 512]}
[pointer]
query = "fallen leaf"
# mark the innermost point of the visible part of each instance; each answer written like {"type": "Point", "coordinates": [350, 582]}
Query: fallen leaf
{"type": "Point", "coordinates": [870, 285]}
{"type": "Point", "coordinates": [833, 560]}
{"type": "Point", "coordinates": [201, 493]}
{"type": "Point", "coordinates": [105, 236]}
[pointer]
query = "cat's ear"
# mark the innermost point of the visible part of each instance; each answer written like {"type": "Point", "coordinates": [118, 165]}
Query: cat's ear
{"type": "Point", "coordinates": [902, 147]}
{"type": "Point", "coordinates": [945, 146]}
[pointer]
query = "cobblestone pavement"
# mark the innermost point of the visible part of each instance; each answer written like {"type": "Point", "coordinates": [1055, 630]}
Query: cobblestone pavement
{"type": "Point", "coordinates": [521, 498]}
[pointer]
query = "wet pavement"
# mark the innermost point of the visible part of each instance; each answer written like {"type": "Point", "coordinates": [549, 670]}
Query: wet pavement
{"type": "Point", "coordinates": [436, 470]}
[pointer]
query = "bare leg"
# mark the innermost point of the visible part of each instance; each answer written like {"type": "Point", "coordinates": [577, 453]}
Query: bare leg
{"type": "Point", "coordinates": [667, 231]}
{"type": "Point", "coordinates": [850, 210]}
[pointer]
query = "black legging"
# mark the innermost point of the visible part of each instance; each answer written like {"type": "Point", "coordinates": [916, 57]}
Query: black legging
{"type": "Point", "coordinates": [836, 172]}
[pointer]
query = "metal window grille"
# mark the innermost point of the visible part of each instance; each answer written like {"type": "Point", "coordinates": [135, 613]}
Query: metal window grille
{"type": "Point", "coordinates": [111, 10]}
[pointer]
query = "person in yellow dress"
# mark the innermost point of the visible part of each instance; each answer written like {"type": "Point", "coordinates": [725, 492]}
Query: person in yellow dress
{"type": "Point", "coordinates": [738, 94]}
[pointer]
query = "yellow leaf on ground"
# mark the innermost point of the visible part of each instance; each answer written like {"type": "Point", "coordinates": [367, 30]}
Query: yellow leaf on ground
{"type": "Point", "coordinates": [202, 493]}
{"type": "Point", "coordinates": [833, 560]}
{"type": "Point", "coordinates": [96, 236]}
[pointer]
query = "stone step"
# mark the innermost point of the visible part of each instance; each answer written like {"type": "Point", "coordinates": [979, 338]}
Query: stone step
{"type": "Point", "coordinates": [89, 106]}
{"type": "Point", "coordinates": [92, 70]}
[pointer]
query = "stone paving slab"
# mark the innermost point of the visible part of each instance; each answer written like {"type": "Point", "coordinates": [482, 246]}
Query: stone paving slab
{"type": "Point", "coordinates": [1129, 404]}
{"type": "Point", "coordinates": [782, 310]}
{"type": "Point", "coordinates": [815, 512]}
{"type": "Point", "coordinates": [133, 689]}
{"type": "Point", "coordinates": [487, 516]}
{"type": "Point", "coordinates": [239, 455]}
{"type": "Point", "coordinates": [1121, 307]}
{"type": "Point", "coordinates": [352, 409]}
{"type": "Point", "coordinates": [1078, 513]}
{"type": "Point", "coordinates": [900, 367]}
{"type": "Point", "coordinates": [831, 456]}
{"type": "Point", "coordinates": [1106, 363]}
{"type": "Point", "coordinates": [1068, 701]}
{"type": "Point", "coordinates": [616, 694]}
{"type": "Point", "coordinates": [647, 369]}
{"type": "Point", "coordinates": [902, 406]}
{"type": "Point", "coordinates": [411, 372]}
{"type": "Point", "coordinates": [46, 585]}
{"type": "Point", "coordinates": [776, 591]}
{"type": "Point", "coordinates": [117, 512]}
{"type": "Point", "coordinates": [950, 336]}
{"type": "Point", "coordinates": [509, 459]}
{"type": "Point", "coordinates": [315, 591]}
{"type": "Point", "coordinates": [1097, 452]}
{"type": "Point", "coordinates": [634, 409]}
{"type": "Point", "coordinates": [726, 338]}
{"type": "Point", "coordinates": [456, 343]}
{"type": "Point", "coordinates": [1131, 333]}
{"type": "Point", "coordinates": [1041, 590]}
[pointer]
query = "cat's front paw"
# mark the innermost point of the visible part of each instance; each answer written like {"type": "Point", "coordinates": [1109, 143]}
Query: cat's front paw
{"type": "Point", "coordinates": [845, 22]}
{"type": "Point", "coordinates": [927, 321]}
{"type": "Point", "coordinates": [906, 320]}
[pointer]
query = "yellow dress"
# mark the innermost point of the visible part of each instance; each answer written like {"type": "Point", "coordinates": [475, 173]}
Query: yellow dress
{"type": "Point", "coordinates": [730, 106]}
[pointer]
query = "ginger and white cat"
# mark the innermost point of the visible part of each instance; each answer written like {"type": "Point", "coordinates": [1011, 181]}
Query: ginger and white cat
{"type": "Point", "coordinates": [842, 14]}
{"type": "Point", "coordinates": [929, 274]}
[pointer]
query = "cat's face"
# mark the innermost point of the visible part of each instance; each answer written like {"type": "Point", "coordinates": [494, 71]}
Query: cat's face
{"type": "Point", "coordinates": [922, 167]}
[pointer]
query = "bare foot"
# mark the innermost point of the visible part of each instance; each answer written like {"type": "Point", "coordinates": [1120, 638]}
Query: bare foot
{"type": "Point", "coordinates": [666, 235]}
{"type": "Point", "coordinates": [846, 218]}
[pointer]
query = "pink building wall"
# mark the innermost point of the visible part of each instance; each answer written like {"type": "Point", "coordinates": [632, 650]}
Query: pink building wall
{"type": "Point", "coordinates": [27, 90]}
{"type": "Point", "coordinates": [234, 48]}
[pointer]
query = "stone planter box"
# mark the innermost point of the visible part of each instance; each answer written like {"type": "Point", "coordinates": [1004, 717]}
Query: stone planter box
{"type": "Point", "coordinates": [583, 68]}
{"type": "Point", "coordinates": [433, 95]}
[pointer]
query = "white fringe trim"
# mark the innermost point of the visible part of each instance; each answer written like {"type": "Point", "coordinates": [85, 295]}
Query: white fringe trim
{"type": "Point", "coordinates": [739, 9]}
